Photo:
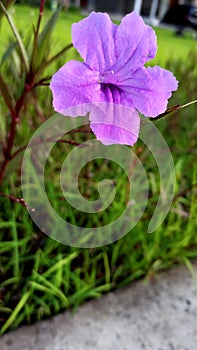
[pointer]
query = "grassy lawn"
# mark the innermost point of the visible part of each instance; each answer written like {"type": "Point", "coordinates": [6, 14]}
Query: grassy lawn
{"type": "Point", "coordinates": [168, 44]}
{"type": "Point", "coordinates": [24, 17]}
{"type": "Point", "coordinates": [41, 277]}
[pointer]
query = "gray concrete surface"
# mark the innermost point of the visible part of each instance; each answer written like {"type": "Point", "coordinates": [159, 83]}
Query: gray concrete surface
{"type": "Point", "coordinates": [161, 315]}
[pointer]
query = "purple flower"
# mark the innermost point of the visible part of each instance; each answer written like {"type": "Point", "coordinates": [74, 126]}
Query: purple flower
{"type": "Point", "coordinates": [112, 82]}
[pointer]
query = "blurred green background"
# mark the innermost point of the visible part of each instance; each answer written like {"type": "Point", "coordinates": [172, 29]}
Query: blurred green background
{"type": "Point", "coordinates": [40, 277]}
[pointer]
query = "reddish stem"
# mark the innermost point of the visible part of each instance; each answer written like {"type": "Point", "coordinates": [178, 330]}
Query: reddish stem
{"type": "Point", "coordinates": [3, 169]}
{"type": "Point", "coordinates": [42, 3]}
{"type": "Point", "coordinates": [16, 200]}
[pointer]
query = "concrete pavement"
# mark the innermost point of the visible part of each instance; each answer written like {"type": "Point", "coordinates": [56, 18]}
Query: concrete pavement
{"type": "Point", "coordinates": [159, 315]}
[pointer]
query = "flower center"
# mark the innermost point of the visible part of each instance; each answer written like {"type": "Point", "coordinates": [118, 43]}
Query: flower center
{"type": "Point", "coordinates": [108, 77]}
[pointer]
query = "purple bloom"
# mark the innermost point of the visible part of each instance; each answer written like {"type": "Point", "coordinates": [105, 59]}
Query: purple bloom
{"type": "Point", "coordinates": [112, 82]}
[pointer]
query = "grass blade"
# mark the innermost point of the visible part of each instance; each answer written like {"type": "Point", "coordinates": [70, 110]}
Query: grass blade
{"type": "Point", "coordinates": [60, 264]}
{"type": "Point", "coordinates": [15, 313]}
{"type": "Point", "coordinates": [53, 289]}
{"type": "Point", "coordinates": [41, 43]}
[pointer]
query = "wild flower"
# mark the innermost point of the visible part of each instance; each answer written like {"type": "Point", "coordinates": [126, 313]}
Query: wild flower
{"type": "Point", "coordinates": [112, 83]}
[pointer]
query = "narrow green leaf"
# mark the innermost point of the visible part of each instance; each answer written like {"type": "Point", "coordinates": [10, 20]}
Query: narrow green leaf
{"type": "Point", "coordinates": [15, 312]}
{"type": "Point", "coordinates": [15, 252]}
{"type": "Point", "coordinates": [12, 280]}
{"type": "Point", "coordinates": [191, 270]}
{"type": "Point", "coordinates": [8, 52]}
{"type": "Point", "coordinates": [2, 128]}
{"type": "Point", "coordinates": [17, 36]}
{"type": "Point", "coordinates": [60, 263]}
{"type": "Point", "coordinates": [5, 309]}
{"type": "Point", "coordinates": [54, 58]}
{"type": "Point", "coordinates": [107, 269]}
{"type": "Point", "coordinates": [104, 288]}
{"type": "Point", "coordinates": [81, 294]}
{"type": "Point", "coordinates": [7, 94]}
{"type": "Point", "coordinates": [7, 4]}
{"type": "Point", "coordinates": [45, 35]}
{"type": "Point", "coordinates": [34, 55]}
{"type": "Point", "coordinates": [54, 290]}
{"type": "Point", "coordinates": [41, 42]}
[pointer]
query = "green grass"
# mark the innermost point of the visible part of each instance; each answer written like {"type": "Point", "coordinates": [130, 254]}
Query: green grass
{"type": "Point", "coordinates": [20, 14]}
{"type": "Point", "coordinates": [169, 45]}
{"type": "Point", "coordinates": [41, 277]}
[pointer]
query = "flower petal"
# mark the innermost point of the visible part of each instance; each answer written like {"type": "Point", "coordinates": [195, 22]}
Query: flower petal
{"type": "Point", "coordinates": [136, 43]}
{"type": "Point", "coordinates": [74, 84]}
{"type": "Point", "coordinates": [114, 124]}
{"type": "Point", "coordinates": [93, 37]}
{"type": "Point", "coordinates": [149, 90]}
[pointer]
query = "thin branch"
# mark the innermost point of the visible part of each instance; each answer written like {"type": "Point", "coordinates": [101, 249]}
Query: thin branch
{"type": "Point", "coordinates": [188, 104]}
{"type": "Point", "coordinates": [173, 110]}
{"type": "Point", "coordinates": [16, 200]}
{"type": "Point", "coordinates": [41, 82]}
{"type": "Point", "coordinates": [71, 142]}
{"type": "Point", "coordinates": [18, 151]}
{"type": "Point", "coordinates": [41, 11]}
